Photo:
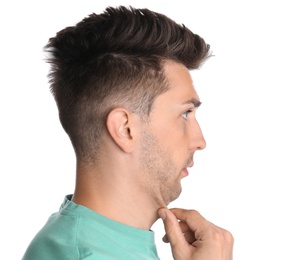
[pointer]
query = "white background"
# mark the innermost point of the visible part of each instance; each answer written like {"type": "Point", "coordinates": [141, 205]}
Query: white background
{"type": "Point", "coordinates": [242, 181]}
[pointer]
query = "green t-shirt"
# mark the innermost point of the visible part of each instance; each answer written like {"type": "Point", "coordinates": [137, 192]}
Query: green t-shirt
{"type": "Point", "coordinates": [76, 232]}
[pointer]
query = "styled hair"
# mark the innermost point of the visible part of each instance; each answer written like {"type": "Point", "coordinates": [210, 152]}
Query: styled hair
{"type": "Point", "coordinates": [114, 59]}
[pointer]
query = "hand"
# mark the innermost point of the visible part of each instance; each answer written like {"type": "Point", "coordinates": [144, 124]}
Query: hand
{"type": "Point", "coordinates": [192, 237]}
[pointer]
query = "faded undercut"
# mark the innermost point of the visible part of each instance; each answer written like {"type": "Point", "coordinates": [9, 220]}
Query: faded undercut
{"type": "Point", "coordinates": [114, 59]}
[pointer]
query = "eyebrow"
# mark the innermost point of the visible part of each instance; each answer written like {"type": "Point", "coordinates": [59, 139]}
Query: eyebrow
{"type": "Point", "coordinates": [196, 103]}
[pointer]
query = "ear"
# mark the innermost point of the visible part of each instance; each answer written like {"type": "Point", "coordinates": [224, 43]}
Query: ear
{"type": "Point", "coordinates": [119, 124]}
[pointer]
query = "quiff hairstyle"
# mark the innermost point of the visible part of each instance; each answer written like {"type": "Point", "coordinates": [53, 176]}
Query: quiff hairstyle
{"type": "Point", "coordinates": [114, 59]}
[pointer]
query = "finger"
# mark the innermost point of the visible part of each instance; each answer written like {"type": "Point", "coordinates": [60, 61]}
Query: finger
{"type": "Point", "coordinates": [189, 236]}
{"type": "Point", "coordinates": [186, 231]}
{"type": "Point", "coordinates": [184, 227]}
{"type": "Point", "coordinates": [165, 239]}
{"type": "Point", "coordinates": [192, 218]}
{"type": "Point", "coordinates": [172, 228]}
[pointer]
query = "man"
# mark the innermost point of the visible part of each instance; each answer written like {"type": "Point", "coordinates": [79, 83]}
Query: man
{"type": "Point", "coordinates": [126, 99]}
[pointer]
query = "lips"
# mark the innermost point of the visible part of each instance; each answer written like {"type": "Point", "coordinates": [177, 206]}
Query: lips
{"type": "Point", "coordinates": [185, 172]}
{"type": "Point", "coordinates": [191, 164]}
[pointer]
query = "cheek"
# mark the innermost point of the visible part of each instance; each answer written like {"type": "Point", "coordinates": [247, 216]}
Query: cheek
{"type": "Point", "coordinates": [180, 133]}
{"type": "Point", "coordinates": [172, 134]}
{"type": "Point", "coordinates": [174, 130]}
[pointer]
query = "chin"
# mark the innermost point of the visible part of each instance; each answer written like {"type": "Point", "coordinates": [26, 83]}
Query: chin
{"type": "Point", "coordinates": [173, 195]}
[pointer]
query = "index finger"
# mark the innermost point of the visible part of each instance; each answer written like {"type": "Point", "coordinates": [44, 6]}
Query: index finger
{"type": "Point", "coordinates": [192, 217]}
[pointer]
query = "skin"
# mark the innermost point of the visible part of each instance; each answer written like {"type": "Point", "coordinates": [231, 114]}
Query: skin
{"type": "Point", "coordinates": [192, 237]}
{"type": "Point", "coordinates": [140, 167]}
{"type": "Point", "coordinates": [141, 164]}
{"type": "Point", "coordinates": [171, 138]}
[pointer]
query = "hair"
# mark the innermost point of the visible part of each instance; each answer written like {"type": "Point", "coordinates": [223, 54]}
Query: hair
{"type": "Point", "coordinates": [114, 59]}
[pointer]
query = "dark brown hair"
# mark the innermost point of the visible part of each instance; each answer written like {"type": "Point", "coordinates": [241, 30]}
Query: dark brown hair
{"type": "Point", "coordinates": [114, 59]}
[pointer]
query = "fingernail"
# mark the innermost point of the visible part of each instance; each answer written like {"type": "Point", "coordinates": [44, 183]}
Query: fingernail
{"type": "Point", "coordinates": [162, 214]}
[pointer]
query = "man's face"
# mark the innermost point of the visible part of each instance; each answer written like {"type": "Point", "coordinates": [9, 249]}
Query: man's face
{"type": "Point", "coordinates": [170, 137]}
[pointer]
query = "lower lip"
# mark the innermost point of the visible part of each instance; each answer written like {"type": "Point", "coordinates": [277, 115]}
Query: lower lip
{"type": "Point", "coordinates": [185, 172]}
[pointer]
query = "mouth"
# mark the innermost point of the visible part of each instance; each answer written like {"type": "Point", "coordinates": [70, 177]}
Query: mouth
{"type": "Point", "coordinates": [191, 164]}
{"type": "Point", "coordinates": [185, 170]}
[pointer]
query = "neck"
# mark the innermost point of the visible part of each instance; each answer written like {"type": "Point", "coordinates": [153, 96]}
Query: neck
{"type": "Point", "coordinates": [113, 193]}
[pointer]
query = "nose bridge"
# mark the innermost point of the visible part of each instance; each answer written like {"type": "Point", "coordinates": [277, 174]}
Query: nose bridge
{"type": "Point", "coordinates": [197, 141]}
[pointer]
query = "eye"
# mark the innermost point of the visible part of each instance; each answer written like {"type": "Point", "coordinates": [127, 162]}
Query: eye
{"type": "Point", "coordinates": [185, 114]}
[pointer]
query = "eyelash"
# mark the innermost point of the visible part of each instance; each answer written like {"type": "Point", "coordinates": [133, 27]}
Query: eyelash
{"type": "Point", "coordinates": [185, 114]}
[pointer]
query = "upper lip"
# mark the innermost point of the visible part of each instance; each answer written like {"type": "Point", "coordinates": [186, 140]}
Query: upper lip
{"type": "Point", "coordinates": [191, 164]}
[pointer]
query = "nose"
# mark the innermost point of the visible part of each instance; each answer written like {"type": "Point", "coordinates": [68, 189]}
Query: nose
{"type": "Point", "coordinates": [197, 141]}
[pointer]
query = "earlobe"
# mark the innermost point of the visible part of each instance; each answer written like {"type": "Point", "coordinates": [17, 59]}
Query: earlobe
{"type": "Point", "coordinates": [119, 126]}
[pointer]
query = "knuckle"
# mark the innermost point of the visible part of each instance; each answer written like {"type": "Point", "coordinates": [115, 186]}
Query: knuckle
{"type": "Point", "coordinates": [193, 212]}
{"type": "Point", "coordinates": [229, 237]}
{"type": "Point", "coordinates": [217, 234]}
{"type": "Point", "coordinates": [222, 235]}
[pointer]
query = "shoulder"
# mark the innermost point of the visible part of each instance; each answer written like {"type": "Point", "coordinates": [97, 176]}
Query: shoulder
{"type": "Point", "coordinates": [56, 240]}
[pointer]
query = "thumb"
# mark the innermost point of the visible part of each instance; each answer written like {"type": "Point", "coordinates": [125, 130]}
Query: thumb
{"type": "Point", "coordinates": [173, 230]}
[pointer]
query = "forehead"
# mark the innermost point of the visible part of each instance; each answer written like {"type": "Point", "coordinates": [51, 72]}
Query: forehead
{"type": "Point", "coordinates": [180, 95]}
{"type": "Point", "coordinates": [180, 82]}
